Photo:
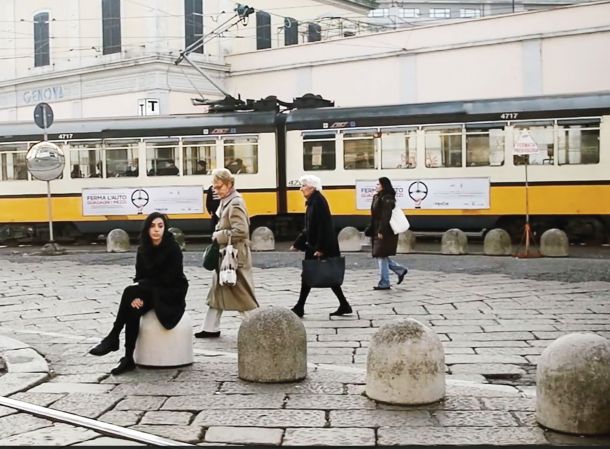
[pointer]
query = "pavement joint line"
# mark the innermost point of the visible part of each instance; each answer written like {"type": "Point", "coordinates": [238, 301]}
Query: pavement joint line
{"type": "Point", "coordinates": [324, 366]}
{"type": "Point", "coordinates": [89, 423]}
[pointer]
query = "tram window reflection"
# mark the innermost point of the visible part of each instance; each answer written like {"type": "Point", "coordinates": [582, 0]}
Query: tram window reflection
{"type": "Point", "coordinates": [399, 148]}
{"type": "Point", "coordinates": [358, 150]}
{"type": "Point", "coordinates": [13, 165]}
{"type": "Point", "coordinates": [319, 151]}
{"type": "Point", "coordinates": [578, 142]}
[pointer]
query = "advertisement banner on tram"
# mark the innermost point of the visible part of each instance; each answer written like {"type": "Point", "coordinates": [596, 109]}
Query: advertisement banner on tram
{"type": "Point", "coordinates": [143, 200]}
{"type": "Point", "coordinates": [450, 193]}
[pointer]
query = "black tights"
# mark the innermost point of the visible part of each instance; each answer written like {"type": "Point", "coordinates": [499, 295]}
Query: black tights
{"type": "Point", "coordinates": [130, 317]}
{"type": "Point", "coordinates": [305, 289]}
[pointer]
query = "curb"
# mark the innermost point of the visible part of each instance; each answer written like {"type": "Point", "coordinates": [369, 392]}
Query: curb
{"type": "Point", "coordinates": [25, 367]}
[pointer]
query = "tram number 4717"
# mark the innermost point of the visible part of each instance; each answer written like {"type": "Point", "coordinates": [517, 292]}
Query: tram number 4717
{"type": "Point", "coordinates": [509, 115]}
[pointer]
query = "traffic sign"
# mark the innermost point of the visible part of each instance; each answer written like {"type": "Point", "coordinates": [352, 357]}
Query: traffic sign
{"type": "Point", "coordinates": [43, 115]}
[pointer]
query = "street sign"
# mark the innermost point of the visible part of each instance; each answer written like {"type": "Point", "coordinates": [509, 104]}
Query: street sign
{"type": "Point", "coordinates": [525, 145]}
{"type": "Point", "coordinates": [43, 115]}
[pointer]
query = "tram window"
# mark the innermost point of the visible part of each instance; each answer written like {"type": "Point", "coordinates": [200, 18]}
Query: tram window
{"type": "Point", "coordinates": [484, 145]}
{"type": "Point", "coordinates": [399, 148]}
{"type": "Point", "coordinates": [86, 159]}
{"type": "Point", "coordinates": [542, 133]}
{"type": "Point", "coordinates": [12, 162]}
{"type": "Point", "coordinates": [161, 158]}
{"type": "Point", "coordinates": [241, 155]}
{"type": "Point", "coordinates": [358, 151]}
{"type": "Point", "coordinates": [198, 157]}
{"type": "Point", "coordinates": [121, 158]}
{"type": "Point", "coordinates": [443, 147]}
{"type": "Point", "coordinates": [578, 143]}
{"type": "Point", "coordinates": [319, 152]}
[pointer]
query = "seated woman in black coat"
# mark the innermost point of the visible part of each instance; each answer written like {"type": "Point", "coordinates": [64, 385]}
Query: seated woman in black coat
{"type": "Point", "coordinates": [160, 285]}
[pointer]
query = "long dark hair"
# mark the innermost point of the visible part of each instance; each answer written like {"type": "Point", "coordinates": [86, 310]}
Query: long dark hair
{"type": "Point", "coordinates": [144, 235]}
{"type": "Point", "coordinates": [386, 186]}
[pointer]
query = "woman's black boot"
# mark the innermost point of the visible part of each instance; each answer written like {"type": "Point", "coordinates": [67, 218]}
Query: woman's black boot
{"type": "Point", "coordinates": [108, 344]}
{"type": "Point", "coordinates": [126, 364]}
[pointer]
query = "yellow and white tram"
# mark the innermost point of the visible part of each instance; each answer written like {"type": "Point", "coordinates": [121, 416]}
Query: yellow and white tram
{"type": "Point", "coordinates": [568, 175]}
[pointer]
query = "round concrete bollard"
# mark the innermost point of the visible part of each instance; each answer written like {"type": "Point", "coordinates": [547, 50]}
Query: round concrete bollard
{"type": "Point", "coordinates": [159, 347]}
{"type": "Point", "coordinates": [554, 243]}
{"type": "Point", "coordinates": [405, 364]}
{"type": "Point", "coordinates": [573, 385]}
{"type": "Point", "coordinates": [262, 239]}
{"type": "Point", "coordinates": [179, 237]}
{"type": "Point", "coordinates": [497, 243]}
{"type": "Point", "coordinates": [454, 241]}
{"type": "Point", "coordinates": [117, 241]}
{"type": "Point", "coordinates": [406, 242]}
{"type": "Point", "coordinates": [350, 239]}
{"type": "Point", "coordinates": [272, 346]}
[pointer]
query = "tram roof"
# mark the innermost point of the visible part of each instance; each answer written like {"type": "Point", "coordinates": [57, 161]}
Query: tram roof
{"type": "Point", "coordinates": [159, 126]}
{"type": "Point", "coordinates": [554, 106]}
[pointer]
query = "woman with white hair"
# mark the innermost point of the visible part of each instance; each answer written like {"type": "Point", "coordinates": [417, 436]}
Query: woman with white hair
{"type": "Point", "coordinates": [318, 239]}
{"type": "Point", "coordinates": [233, 226]}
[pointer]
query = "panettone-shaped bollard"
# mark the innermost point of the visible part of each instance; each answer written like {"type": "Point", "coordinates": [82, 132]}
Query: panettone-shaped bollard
{"type": "Point", "coordinates": [117, 241]}
{"type": "Point", "coordinates": [554, 243]}
{"type": "Point", "coordinates": [405, 364]}
{"type": "Point", "coordinates": [350, 239]}
{"type": "Point", "coordinates": [179, 237]}
{"type": "Point", "coordinates": [160, 347]}
{"type": "Point", "coordinates": [454, 241]}
{"type": "Point", "coordinates": [272, 346]}
{"type": "Point", "coordinates": [406, 242]}
{"type": "Point", "coordinates": [262, 239]}
{"type": "Point", "coordinates": [573, 385]}
{"type": "Point", "coordinates": [497, 243]}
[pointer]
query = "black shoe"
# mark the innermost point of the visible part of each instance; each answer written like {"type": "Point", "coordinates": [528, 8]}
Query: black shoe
{"type": "Point", "coordinates": [206, 334]}
{"type": "Point", "coordinates": [298, 311]}
{"type": "Point", "coordinates": [378, 287]}
{"type": "Point", "coordinates": [105, 346]}
{"type": "Point", "coordinates": [342, 310]}
{"type": "Point", "coordinates": [402, 276]}
{"type": "Point", "coordinates": [126, 364]}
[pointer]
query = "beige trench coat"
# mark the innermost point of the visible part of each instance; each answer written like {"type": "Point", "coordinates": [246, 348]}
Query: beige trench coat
{"type": "Point", "coordinates": [234, 221]}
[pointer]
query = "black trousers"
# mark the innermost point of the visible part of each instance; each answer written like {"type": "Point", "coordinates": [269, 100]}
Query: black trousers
{"type": "Point", "coordinates": [305, 289]}
{"type": "Point", "coordinates": [129, 317]}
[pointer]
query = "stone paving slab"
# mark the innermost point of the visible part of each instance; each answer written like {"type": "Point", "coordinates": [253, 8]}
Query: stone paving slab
{"type": "Point", "coordinates": [244, 435]}
{"type": "Point", "coordinates": [330, 437]}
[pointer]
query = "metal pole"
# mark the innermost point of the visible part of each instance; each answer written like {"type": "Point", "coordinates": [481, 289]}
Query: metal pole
{"type": "Point", "coordinates": [527, 215]}
{"type": "Point", "coordinates": [50, 211]}
{"type": "Point", "coordinates": [202, 73]}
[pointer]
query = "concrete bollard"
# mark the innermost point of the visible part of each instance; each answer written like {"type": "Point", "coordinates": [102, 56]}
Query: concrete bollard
{"type": "Point", "coordinates": [262, 239]}
{"type": "Point", "coordinates": [179, 237]}
{"type": "Point", "coordinates": [272, 346]}
{"type": "Point", "coordinates": [405, 364]}
{"type": "Point", "coordinates": [406, 242]}
{"type": "Point", "coordinates": [497, 243]}
{"type": "Point", "coordinates": [350, 239]}
{"type": "Point", "coordinates": [117, 241]}
{"type": "Point", "coordinates": [160, 347]}
{"type": "Point", "coordinates": [554, 243]}
{"type": "Point", "coordinates": [454, 241]}
{"type": "Point", "coordinates": [573, 385]}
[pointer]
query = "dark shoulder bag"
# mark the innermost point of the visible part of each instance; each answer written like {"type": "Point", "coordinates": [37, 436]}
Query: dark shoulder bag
{"type": "Point", "coordinates": [211, 256]}
{"type": "Point", "coordinates": [323, 273]}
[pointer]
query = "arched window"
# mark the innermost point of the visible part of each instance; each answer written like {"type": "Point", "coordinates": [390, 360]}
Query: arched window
{"type": "Point", "coordinates": [41, 39]}
{"type": "Point", "coordinates": [111, 26]}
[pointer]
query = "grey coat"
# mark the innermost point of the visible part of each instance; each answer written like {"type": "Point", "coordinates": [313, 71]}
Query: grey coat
{"type": "Point", "coordinates": [233, 221]}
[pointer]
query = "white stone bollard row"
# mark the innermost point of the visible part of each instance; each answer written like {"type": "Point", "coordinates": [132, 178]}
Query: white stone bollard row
{"type": "Point", "coordinates": [406, 242]}
{"type": "Point", "coordinates": [263, 239]}
{"type": "Point", "coordinates": [405, 364]}
{"type": "Point", "coordinates": [272, 346]}
{"type": "Point", "coordinates": [497, 243]}
{"type": "Point", "coordinates": [573, 385]}
{"type": "Point", "coordinates": [179, 237]}
{"type": "Point", "coordinates": [454, 241]}
{"type": "Point", "coordinates": [117, 241]}
{"type": "Point", "coordinates": [160, 347]}
{"type": "Point", "coordinates": [350, 239]}
{"type": "Point", "coordinates": [554, 243]}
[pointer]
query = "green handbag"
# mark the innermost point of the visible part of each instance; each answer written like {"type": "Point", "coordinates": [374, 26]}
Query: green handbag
{"type": "Point", "coordinates": [211, 256]}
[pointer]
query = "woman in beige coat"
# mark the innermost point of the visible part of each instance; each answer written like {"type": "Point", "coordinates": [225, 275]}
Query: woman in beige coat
{"type": "Point", "coordinates": [233, 224]}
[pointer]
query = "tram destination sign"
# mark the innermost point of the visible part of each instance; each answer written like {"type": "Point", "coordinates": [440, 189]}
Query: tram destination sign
{"type": "Point", "coordinates": [450, 193]}
{"type": "Point", "coordinates": [143, 200]}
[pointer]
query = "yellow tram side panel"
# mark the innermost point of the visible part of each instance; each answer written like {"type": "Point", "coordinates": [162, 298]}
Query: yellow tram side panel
{"type": "Point", "coordinates": [69, 208]}
{"type": "Point", "coordinates": [582, 199]}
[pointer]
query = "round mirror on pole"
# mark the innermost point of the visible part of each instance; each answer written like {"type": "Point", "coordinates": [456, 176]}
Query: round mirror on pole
{"type": "Point", "coordinates": [46, 161]}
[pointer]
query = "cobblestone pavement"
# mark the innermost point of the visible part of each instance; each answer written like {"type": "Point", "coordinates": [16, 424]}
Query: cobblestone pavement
{"type": "Point", "coordinates": [493, 326]}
